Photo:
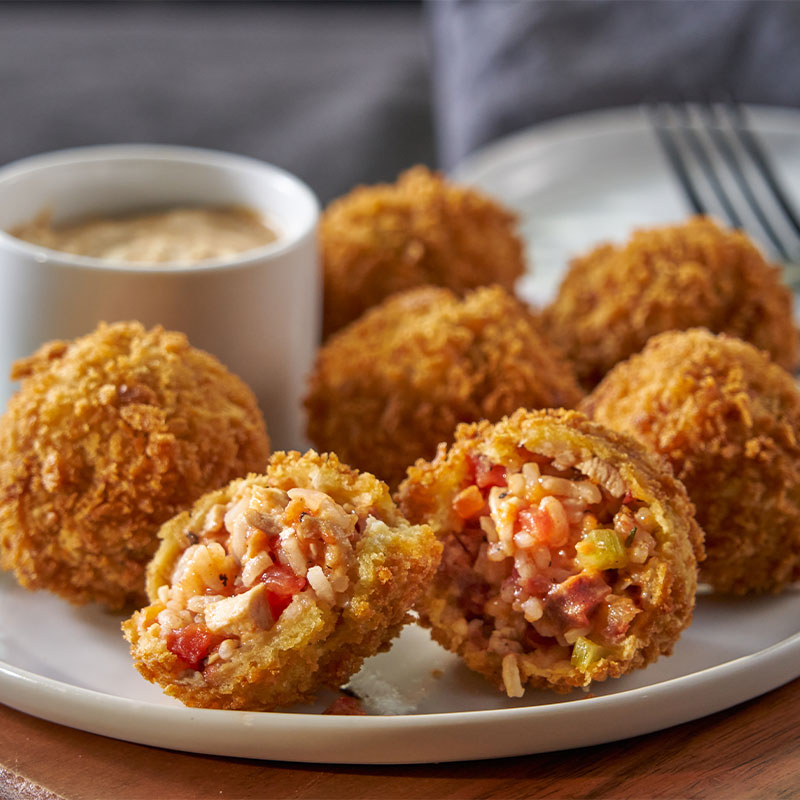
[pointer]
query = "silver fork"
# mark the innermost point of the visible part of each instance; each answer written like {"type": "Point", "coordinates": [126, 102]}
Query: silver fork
{"type": "Point", "coordinates": [725, 171]}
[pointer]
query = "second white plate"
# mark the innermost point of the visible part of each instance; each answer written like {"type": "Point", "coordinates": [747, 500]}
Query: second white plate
{"type": "Point", "coordinates": [595, 177]}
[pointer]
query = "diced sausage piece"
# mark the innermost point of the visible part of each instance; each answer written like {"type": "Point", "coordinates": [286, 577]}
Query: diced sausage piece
{"type": "Point", "coordinates": [569, 603]}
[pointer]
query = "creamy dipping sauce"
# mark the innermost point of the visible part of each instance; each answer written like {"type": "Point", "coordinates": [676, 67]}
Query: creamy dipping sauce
{"type": "Point", "coordinates": [179, 235]}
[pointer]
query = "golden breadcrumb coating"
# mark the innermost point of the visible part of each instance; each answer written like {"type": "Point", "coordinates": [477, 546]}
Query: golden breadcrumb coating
{"type": "Point", "coordinates": [109, 436]}
{"type": "Point", "coordinates": [727, 419]}
{"type": "Point", "coordinates": [271, 634]}
{"type": "Point", "coordinates": [569, 550]}
{"type": "Point", "coordinates": [392, 385]}
{"type": "Point", "coordinates": [670, 278]}
{"type": "Point", "coordinates": [381, 239]}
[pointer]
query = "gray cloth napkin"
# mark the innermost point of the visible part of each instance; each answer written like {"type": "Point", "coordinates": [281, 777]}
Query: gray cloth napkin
{"type": "Point", "coordinates": [501, 65]}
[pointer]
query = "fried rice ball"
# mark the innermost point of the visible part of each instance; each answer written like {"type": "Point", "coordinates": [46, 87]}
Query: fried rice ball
{"type": "Point", "coordinates": [278, 585]}
{"type": "Point", "coordinates": [392, 385]}
{"type": "Point", "coordinates": [727, 420]}
{"type": "Point", "coordinates": [670, 278]}
{"type": "Point", "coordinates": [423, 229]}
{"type": "Point", "coordinates": [108, 437]}
{"type": "Point", "coordinates": [569, 550]}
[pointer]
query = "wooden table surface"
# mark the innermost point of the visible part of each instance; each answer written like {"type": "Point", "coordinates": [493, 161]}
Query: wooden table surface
{"type": "Point", "coordinates": [749, 751]}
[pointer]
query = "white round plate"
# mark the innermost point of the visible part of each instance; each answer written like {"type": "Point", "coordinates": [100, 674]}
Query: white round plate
{"type": "Point", "coordinates": [574, 182]}
{"type": "Point", "coordinates": [72, 666]}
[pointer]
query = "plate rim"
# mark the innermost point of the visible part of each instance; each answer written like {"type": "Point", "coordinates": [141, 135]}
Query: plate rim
{"type": "Point", "coordinates": [387, 736]}
{"type": "Point", "coordinates": [780, 119]}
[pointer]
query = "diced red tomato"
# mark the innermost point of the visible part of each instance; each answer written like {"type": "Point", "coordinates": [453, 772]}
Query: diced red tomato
{"type": "Point", "coordinates": [282, 585]}
{"type": "Point", "coordinates": [280, 579]}
{"type": "Point", "coordinates": [344, 705]}
{"type": "Point", "coordinates": [536, 522]}
{"type": "Point", "coordinates": [485, 473]}
{"type": "Point", "coordinates": [192, 644]}
{"type": "Point", "coordinates": [278, 603]}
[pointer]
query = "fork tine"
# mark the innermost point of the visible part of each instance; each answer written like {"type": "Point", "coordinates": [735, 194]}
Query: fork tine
{"type": "Point", "coordinates": [703, 158]}
{"type": "Point", "coordinates": [673, 125]}
{"type": "Point", "coordinates": [659, 120]}
{"type": "Point", "coordinates": [705, 143]}
{"type": "Point", "coordinates": [752, 145]}
{"type": "Point", "coordinates": [729, 155]}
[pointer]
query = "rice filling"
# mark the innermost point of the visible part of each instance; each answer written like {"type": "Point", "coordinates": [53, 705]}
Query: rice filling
{"type": "Point", "coordinates": [548, 560]}
{"type": "Point", "coordinates": [248, 563]}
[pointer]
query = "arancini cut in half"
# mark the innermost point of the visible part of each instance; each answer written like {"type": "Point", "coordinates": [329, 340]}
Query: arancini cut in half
{"type": "Point", "coordinates": [570, 551]}
{"type": "Point", "coordinates": [278, 585]}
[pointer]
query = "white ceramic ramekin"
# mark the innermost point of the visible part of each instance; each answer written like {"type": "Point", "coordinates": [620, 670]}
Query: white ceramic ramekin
{"type": "Point", "coordinates": [259, 313]}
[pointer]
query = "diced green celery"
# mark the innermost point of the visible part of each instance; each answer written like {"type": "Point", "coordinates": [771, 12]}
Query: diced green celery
{"type": "Point", "coordinates": [585, 652]}
{"type": "Point", "coordinates": [601, 549]}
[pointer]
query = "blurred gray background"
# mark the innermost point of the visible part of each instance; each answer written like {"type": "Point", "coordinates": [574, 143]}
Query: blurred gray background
{"type": "Point", "coordinates": [342, 93]}
{"type": "Point", "coordinates": [338, 93]}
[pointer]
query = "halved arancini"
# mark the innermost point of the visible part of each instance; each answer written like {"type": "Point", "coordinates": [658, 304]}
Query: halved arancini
{"type": "Point", "coordinates": [569, 550]}
{"type": "Point", "coordinates": [278, 585]}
